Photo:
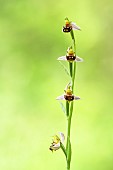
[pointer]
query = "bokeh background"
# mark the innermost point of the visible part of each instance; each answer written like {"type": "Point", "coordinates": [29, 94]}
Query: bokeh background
{"type": "Point", "coordinates": [31, 78]}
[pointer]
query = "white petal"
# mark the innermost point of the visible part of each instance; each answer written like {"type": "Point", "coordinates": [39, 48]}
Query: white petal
{"type": "Point", "coordinates": [62, 137]}
{"type": "Point", "coordinates": [78, 59]}
{"type": "Point", "coordinates": [74, 26]}
{"type": "Point", "coordinates": [62, 58]}
{"type": "Point", "coordinates": [60, 97]}
{"type": "Point", "coordinates": [57, 145]}
{"type": "Point", "coordinates": [76, 98]}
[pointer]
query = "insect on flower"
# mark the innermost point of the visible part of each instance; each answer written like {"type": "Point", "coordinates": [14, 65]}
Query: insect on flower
{"type": "Point", "coordinates": [70, 26]}
{"type": "Point", "coordinates": [68, 95]}
{"type": "Point", "coordinates": [70, 56]}
{"type": "Point", "coordinates": [55, 145]}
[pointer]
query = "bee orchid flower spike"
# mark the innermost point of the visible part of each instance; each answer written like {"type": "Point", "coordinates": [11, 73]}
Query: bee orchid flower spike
{"type": "Point", "coordinates": [68, 97]}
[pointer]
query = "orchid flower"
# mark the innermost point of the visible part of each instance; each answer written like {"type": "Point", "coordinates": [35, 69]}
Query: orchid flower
{"type": "Point", "coordinates": [70, 56]}
{"type": "Point", "coordinates": [70, 26]}
{"type": "Point", "coordinates": [68, 95]}
{"type": "Point", "coordinates": [55, 145]}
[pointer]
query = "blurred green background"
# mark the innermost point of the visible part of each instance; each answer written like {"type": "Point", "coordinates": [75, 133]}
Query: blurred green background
{"type": "Point", "coordinates": [31, 78]}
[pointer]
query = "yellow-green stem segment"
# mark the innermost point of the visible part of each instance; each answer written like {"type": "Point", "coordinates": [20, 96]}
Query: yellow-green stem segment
{"type": "Point", "coordinates": [72, 67]}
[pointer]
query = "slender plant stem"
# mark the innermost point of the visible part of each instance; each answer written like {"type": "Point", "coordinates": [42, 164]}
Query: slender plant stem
{"type": "Point", "coordinates": [68, 146]}
{"type": "Point", "coordinates": [72, 67]}
{"type": "Point", "coordinates": [67, 108]}
{"type": "Point", "coordinates": [73, 78]}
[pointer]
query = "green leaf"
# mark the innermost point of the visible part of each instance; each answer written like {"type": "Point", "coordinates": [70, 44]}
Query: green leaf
{"type": "Point", "coordinates": [66, 70]}
{"type": "Point", "coordinates": [62, 106]}
{"type": "Point", "coordinates": [63, 149]}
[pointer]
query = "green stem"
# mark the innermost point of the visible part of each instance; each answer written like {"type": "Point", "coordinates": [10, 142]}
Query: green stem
{"type": "Point", "coordinates": [74, 68]}
{"type": "Point", "coordinates": [72, 74]}
{"type": "Point", "coordinates": [73, 78]}
{"type": "Point", "coordinates": [71, 111]}
{"type": "Point", "coordinates": [68, 145]}
{"type": "Point", "coordinates": [71, 68]}
{"type": "Point", "coordinates": [67, 108]}
{"type": "Point", "coordinates": [69, 123]}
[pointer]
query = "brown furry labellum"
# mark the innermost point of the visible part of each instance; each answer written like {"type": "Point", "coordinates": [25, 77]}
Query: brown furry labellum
{"type": "Point", "coordinates": [69, 97]}
{"type": "Point", "coordinates": [67, 29]}
{"type": "Point", "coordinates": [70, 57]}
